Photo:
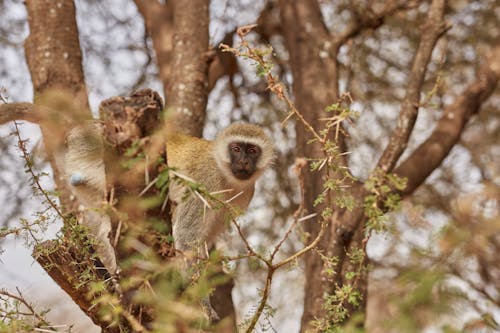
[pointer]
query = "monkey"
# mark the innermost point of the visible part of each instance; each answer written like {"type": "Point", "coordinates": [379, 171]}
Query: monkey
{"type": "Point", "coordinates": [84, 171]}
{"type": "Point", "coordinates": [233, 161]}
{"type": "Point", "coordinates": [84, 158]}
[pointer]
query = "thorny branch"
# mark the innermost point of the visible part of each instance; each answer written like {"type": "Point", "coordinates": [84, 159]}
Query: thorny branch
{"type": "Point", "coordinates": [273, 84]}
{"type": "Point", "coordinates": [20, 298]}
{"type": "Point", "coordinates": [35, 177]}
{"type": "Point", "coordinates": [276, 87]}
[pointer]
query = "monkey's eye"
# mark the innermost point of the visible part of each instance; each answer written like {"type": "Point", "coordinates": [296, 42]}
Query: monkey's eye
{"type": "Point", "coordinates": [252, 151]}
{"type": "Point", "coordinates": [236, 149]}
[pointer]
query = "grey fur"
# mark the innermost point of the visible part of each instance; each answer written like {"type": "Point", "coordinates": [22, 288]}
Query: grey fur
{"type": "Point", "coordinates": [84, 170]}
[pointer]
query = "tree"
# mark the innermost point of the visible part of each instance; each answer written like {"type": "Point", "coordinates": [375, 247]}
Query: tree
{"type": "Point", "coordinates": [337, 58]}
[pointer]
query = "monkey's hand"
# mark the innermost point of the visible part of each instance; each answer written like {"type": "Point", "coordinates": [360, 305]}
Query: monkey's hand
{"type": "Point", "coordinates": [209, 310]}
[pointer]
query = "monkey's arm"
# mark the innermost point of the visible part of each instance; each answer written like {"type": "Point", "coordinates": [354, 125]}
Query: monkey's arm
{"type": "Point", "coordinates": [187, 229]}
{"type": "Point", "coordinates": [190, 234]}
{"type": "Point", "coordinates": [192, 221]}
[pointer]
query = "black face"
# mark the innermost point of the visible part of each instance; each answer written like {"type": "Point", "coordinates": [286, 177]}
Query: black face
{"type": "Point", "coordinates": [244, 157]}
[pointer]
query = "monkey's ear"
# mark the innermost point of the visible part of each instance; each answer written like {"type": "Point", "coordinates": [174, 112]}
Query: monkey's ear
{"type": "Point", "coordinates": [268, 155]}
{"type": "Point", "coordinates": [221, 151]}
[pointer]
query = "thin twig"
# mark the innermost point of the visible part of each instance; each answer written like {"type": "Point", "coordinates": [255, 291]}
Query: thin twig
{"type": "Point", "coordinates": [299, 166]}
{"type": "Point", "coordinates": [20, 298]}
{"type": "Point", "coordinates": [24, 151]}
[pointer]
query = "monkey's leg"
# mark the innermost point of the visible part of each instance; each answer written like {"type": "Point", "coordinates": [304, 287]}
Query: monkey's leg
{"type": "Point", "coordinates": [191, 264]}
{"type": "Point", "coordinates": [196, 264]}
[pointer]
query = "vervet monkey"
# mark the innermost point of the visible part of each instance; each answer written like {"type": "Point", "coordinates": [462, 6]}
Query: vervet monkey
{"type": "Point", "coordinates": [84, 171]}
{"type": "Point", "coordinates": [233, 161]}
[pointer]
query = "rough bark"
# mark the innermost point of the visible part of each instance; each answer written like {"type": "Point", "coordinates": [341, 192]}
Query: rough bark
{"type": "Point", "coordinates": [179, 30]}
{"type": "Point", "coordinates": [66, 263]}
{"type": "Point", "coordinates": [187, 92]}
{"type": "Point", "coordinates": [159, 21]}
{"type": "Point", "coordinates": [53, 48]}
{"type": "Point", "coordinates": [55, 62]}
{"type": "Point", "coordinates": [125, 120]}
{"type": "Point", "coordinates": [19, 111]}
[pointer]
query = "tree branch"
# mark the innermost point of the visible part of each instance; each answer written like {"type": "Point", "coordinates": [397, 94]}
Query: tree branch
{"type": "Point", "coordinates": [19, 111]}
{"type": "Point", "coordinates": [149, 10]}
{"type": "Point", "coordinates": [224, 63]}
{"type": "Point", "coordinates": [369, 20]}
{"type": "Point", "coordinates": [429, 155]}
{"type": "Point", "coordinates": [186, 94]}
{"type": "Point", "coordinates": [159, 22]}
{"type": "Point", "coordinates": [66, 264]}
{"type": "Point", "coordinates": [431, 31]}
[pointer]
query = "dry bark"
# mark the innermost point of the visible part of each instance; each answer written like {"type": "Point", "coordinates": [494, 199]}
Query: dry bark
{"type": "Point", "coordinates": [187, 92]}
{"type": "Point", "coordinates": [125, 121]}
{"type": "Point", "coordinates": [66, 263]}
{"type": "Point", "coordinates": [179, 30]}
{"type": "Point", "coordinates": [19, 111]}
{"type": "Point", "coordinates": [159, 21]}
{"type": "Point", "coordinates": [55, 62]}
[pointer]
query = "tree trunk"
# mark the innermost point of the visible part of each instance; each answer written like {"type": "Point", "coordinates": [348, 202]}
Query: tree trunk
{"type": "Point", "coordinates": [314, 88]}
{"type": "Point", "coordinates": [55, 62]}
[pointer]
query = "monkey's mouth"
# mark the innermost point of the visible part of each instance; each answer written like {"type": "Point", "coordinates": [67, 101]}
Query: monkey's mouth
{"type": "Point", "coordinates": [242, 174]}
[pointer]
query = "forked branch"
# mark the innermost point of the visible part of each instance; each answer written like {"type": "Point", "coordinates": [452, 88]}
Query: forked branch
{"type": "Point", "coordinates": [429, 155]}
{"type": "Point", "coordinates": [431, 31]}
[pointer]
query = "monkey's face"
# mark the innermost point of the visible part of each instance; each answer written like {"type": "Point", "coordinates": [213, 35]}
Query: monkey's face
{"type": "Point", "coordinates": [244, 157]}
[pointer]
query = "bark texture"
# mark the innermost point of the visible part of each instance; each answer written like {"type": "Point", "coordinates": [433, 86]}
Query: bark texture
{"type": "Point", "coordinates": [53, 48]}
{"type": "Point", "coordinates": [179, 30]}
{"type": "Point", "coordinates": [180, 36]}
{"type": "Point", "coordinates": [187, 91]}
{"type": "Point", "coordinates": [55, 62]}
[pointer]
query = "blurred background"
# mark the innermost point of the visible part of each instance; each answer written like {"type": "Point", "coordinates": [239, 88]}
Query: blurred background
{"type": "Point", "coordinates": [436, 266]}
